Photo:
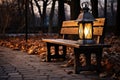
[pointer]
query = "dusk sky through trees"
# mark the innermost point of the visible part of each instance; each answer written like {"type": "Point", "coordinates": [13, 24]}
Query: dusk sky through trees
{"type": "Point", "coordinates": [37, 11]}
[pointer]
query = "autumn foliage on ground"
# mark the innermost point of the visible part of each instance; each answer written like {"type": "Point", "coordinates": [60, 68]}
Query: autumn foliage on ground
{"type": "Point", "coordinates": [34, 45]}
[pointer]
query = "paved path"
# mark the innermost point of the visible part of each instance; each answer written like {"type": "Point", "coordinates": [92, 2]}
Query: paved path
{"type": "Point", "coordinates": [17, 65]}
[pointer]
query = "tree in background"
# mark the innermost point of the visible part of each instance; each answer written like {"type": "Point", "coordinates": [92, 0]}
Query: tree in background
{"type": "Point", "coordinates": [42, 11]}
{"type": "Point", "coordinates": [51, 17]}
{"type": "Point", "coordinates": [117, 32]}
{"type": "Point", "coordinates": [32, 13]}
{"type": "Point", "coordinates": [75, 9]}
{"type": "Point", "coordinates": [5, 16]}
{"type": "Point", "coordinates": [61, 13]}
{"type": "Point", "coordinates": [94, 4]}
{"type": "Point", "coordinates": [39, 10]}
{"type": "Point", "coordinates": [12, 15]}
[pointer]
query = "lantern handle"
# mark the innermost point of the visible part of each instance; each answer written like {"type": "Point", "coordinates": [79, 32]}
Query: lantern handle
{"type": "Point", "coordinates": [85, 4]}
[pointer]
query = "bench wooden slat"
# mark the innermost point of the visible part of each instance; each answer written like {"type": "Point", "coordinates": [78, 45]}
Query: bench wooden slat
{"type": "Point", "coordinates": [96, 30]}
{"type": "Point", "coordinates": [69, 31]}
{"type": "Point", "coordinates": [99, 22]}
{"type": "Point", "coordinates": [71, 23]}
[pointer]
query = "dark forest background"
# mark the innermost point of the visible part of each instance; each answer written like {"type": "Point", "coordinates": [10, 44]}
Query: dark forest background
{"type": "Point", "coordinates": [34, 16]}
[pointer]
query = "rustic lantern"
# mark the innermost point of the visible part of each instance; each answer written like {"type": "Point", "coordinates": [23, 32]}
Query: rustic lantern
{"type": "Point", "coordinates": [85, 22]}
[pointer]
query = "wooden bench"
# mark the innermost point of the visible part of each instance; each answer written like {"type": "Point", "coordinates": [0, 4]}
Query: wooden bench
{"type": "Point", "coordinates": [71, 28]}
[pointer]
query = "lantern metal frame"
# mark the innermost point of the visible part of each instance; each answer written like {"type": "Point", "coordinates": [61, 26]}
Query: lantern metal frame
{"type": "Point", "coordinates": [83, 20]}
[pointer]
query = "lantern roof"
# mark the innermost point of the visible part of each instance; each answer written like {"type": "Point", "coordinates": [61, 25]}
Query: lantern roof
{"type": "Point", "coordinates": [85, 15]}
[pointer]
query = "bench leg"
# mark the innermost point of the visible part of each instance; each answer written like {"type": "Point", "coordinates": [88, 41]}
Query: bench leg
{"type": "Point", "coordinates": [98, 59]}
{"type": "Point", "coordinates": [76, 61]}
{"type": "Point", "coordinates": [56, 50]}
{"type": "Point", "coordinates": [89, 66]}
{"type": "Point", "coordinates": [57, 55]}
{"type": "Point", "coordinates": [88, 58]}
{"type": "Point", "coordinates": [64, 52]}
{"type": "Point", "coordinates": [48, 57]}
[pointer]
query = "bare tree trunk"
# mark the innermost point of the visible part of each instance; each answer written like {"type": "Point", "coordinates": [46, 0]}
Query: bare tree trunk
{"type": "Point", "coordinates": [61, 13]}
{"type": "Point", "coordinates": [5, 17]}
{"type": "Point", "coordinates": [105, 15]}
{"type": "Point", "coordinates": [94, 8]}
{"type": "Point", "coordinates": [112, 8]}
{"type": "Point", "coordinates": [75, 9]}
{"type": "Point", "coordinates": [33, 15]}
{"type": "Point", "coordinates": [117, 32]}
{"type": "Point", "coordinates": [42, 15]}
{"type": "Point", "coordinates": [39, 10]}
{"type": "Point", "coordinates": [21, 17]}
{"type": "Point", "coordinates": [26, 19]}
{"type": "Point", "coordinates": [51, 17]}
{"type": "Point", "coordinates": [1, 17]}
{"type": "Point", "coordinates": [105, 9]}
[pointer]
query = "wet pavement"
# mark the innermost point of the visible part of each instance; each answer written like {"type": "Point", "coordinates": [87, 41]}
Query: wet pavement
{"type": "Point", "coordinates": [18, 65]}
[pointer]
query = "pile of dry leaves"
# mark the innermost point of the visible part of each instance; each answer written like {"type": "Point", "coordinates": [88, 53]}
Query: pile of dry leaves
{"type": "Point", "coordinates": [34, 45]}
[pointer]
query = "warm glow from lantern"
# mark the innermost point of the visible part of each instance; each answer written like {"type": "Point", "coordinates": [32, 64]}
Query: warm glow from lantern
{"type": "Point", "coordinates": [85, 31]}
{"type": "Point", "coordinates": [88, 31]}
{"type": "Point", "coordinates": [80, 31]}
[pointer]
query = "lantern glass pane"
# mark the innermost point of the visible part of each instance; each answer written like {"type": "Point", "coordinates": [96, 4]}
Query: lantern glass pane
{"type": "Point", "coordinates": [88, 31]}
{"type": "Point", "coordinates": [81, 31]}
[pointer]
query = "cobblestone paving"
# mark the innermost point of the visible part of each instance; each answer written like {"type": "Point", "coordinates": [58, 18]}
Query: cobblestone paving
{"type": "Point", "coordinates": [17, 65]}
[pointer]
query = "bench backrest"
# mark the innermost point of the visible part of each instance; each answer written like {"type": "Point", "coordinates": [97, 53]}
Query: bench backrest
{"type": "Point", "coordinates": [71, 28]}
